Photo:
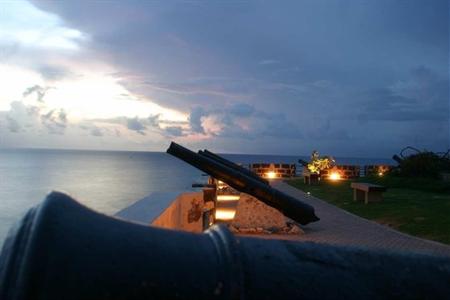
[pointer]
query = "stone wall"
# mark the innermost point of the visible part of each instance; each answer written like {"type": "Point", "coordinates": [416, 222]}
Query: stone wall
{"type": "Point", "coordinates": [185, 213]}
{"type": "Point", "coordinates": [280, 170]}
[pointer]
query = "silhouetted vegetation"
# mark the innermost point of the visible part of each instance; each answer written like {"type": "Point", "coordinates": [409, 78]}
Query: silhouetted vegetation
{"type": "Point", "coordinates": [424, 164]}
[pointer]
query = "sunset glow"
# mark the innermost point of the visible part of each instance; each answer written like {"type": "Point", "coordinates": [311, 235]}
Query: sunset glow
{"type": "Point", "coordinates": [70, 78]}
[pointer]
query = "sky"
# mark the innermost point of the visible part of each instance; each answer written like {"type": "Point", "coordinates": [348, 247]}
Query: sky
{"type": "Point", "coordinates": [348, 78]}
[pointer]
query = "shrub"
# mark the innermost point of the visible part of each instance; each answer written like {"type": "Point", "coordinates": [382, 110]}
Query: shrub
{"type": "Point", "coordinates": [424, 164]}
{"type": "Point", "coordinates": [318, 163]}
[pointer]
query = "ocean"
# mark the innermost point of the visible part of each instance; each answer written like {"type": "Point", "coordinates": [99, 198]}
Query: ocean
{"type": "Point", "coordinates": [106, 181]}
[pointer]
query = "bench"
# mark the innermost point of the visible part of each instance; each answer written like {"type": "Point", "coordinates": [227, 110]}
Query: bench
{"type": "Point", "coordinates": [367, 192]}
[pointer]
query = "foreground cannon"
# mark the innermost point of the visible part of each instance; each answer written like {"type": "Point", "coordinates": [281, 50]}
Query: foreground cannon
{"type": "Point", "coordinates": [289, 206]}
{"type": "Point", "coordinates": [63, 250]}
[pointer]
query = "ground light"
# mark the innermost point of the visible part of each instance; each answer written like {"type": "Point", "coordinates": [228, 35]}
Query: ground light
{"type": "Point", "coordinates": [224, 214]}
{"type": "Point", "coordinates": [271, 175]}
{"type": "Point", "coordinates": [226, 207]}
{"type": "Point", "coordinates": [227, 197]}
{"type": "Point", "coordinates": [335, 176]}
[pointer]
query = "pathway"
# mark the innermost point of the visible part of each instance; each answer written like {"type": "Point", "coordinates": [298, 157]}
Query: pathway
{"type": "Point", "coordinates": [339, 227]}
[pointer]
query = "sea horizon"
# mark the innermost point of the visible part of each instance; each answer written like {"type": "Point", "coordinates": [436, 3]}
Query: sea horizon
{"type": "Point", "coordinates": [162, 151]}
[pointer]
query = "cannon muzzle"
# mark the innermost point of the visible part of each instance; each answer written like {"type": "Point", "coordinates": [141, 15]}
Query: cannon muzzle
{"type": "Point", "coordinates": [293, 208]}
{"type": "Point", "coordinates": [63, 250]}
{"type": "Point", "coordinates": [397, 158]}
{"type": "Point", "coordinates": [303, 162]}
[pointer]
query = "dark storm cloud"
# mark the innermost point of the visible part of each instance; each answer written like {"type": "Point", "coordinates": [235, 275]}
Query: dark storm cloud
{"type": "Point", "coordinates": [184, 41]}
{"type": "Point", "coordinates": [241, 110]}
{"type": "Point", "coordinates": [423, 96]}
{"type": "Point", "coordinates": [315, 65]}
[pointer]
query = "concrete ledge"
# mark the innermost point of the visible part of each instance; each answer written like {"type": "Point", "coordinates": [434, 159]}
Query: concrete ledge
{"type": "Point", "coordinates": [149, 208]}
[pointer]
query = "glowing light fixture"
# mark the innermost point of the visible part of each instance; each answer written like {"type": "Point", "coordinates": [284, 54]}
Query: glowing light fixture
{"type": "Point", "coordinates": [380, 174]}
{"type": "Point", "coordinates": [335, 176]}
{"type": "Point", "coordinates": [227, 197]}
{"type": "Point", "coordinates": [271, 174]}
{"type": "Point", "coordinates": [225, 214]}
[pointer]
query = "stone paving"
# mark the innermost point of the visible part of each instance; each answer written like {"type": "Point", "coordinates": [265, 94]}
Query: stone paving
{"type": "Point", "coordinates": [339, 227]}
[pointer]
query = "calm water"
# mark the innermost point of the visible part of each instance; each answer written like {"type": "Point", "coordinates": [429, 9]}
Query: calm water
{"type": "Point", "coordinates": [104, 181]}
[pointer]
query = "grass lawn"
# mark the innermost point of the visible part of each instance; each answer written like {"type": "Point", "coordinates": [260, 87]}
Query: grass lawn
{"type": "Point", "coordinates": [419, 207]}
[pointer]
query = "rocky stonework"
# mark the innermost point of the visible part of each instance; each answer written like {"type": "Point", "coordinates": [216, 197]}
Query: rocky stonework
{"type": "Point", "coordinates": [254, 216]}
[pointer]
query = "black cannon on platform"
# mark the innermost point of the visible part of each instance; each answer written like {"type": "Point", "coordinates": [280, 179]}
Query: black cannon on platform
{"type": "Point", "coordinates": [293, 208]}
{"type": "Point", "coordinates": [63, 250]}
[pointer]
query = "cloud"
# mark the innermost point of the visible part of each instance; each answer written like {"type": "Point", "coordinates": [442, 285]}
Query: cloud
{"type": "Point", "coordinates": [195, 119]}
{"type": "Point", "coordinates": [34, 116]}
{"type": "Point", "coordinates": [174, 131]}
{"type": "Point", "coordinates": [55, 121]}
{"type": "Point", "coordinates": [143, 126]}
{"type": "Point", "coordinates": [38, 91]}
{"type": "Point", "coordinates": [423, 95]}
{"type": "Point", "coordinates": [21, 116]}
{"type": "Point", "coordinates": [96, 131]}
{"type": "Point", "coordinates": [135, 124]}
{"type": "Point", "coordinates": [52, 72]}
{"type": "Point", "coordinates": [154, 120]}
{"type": "Point", "coordinates": [24, 24]}
{"type": "Point", "coordinates": [241, 120]}
{"type": "Point", "coordinates": [241, 110]}
{"type": "Point", "coordinates": [314, 70]}
{"type": "Point", "coordinates": [268, 62]}
{"type": "Point", "coordinates": [12, 124]}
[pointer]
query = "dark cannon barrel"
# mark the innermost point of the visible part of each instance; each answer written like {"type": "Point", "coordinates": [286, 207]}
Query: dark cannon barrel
{"type": "Point", "coordinates": [63, 250]}
{"type": "Point", "coordinates": [303, 162]}
{"type": "Point", "coordinates": [231, 165]}
{"type": "Point", "coordinates": [293, 208]}
{"type": "Point", "coordinates": [397, 158]}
